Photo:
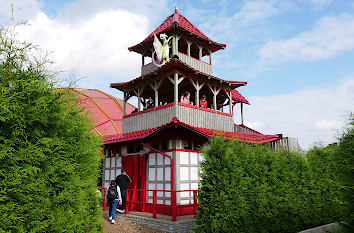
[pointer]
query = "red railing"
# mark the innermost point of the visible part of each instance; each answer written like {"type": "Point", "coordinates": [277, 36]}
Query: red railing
{"type": "Point", "coordinates": [181, 104]}
{"type": "Point", "coordinates": [168, 209]}
{"type": "Point", "coordinates": [104, 206]}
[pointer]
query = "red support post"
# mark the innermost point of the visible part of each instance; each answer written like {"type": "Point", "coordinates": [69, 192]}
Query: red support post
{"type": "Point", "coordinates": [173, 206]}
{"type": "Point", "coordinates": [154, 204]}
{"type": "Point", "coordinates": [127, 203]}
{"type": "Point", "coordinates": [104, 199]}
{"type": "Point", "coordinates": [195, 202]}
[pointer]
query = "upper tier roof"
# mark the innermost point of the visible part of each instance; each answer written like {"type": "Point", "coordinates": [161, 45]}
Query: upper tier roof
{"type": "Point", "coordinates": [181, 22]}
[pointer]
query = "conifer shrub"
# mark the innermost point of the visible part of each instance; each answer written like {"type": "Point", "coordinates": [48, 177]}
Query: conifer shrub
{"type": "Point", "coordinates": [344, 160]}
{"type": "Point", "coordinates": [249, 188]}
{"type": "Point", "coordinates": [49, 159]}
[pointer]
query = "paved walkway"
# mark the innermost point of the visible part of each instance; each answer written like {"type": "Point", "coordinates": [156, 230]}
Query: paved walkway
{"type": "Point", "coordinates": [125, 226]}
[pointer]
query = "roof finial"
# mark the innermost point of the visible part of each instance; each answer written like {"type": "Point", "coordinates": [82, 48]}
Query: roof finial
{"type": "Point", "coordinates": [176, 9]}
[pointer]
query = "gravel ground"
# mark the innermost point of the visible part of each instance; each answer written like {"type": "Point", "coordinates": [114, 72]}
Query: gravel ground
{"type": "Point", "coordinates": [125, 226]}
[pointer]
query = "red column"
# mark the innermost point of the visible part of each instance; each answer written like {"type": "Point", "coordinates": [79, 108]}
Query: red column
{"type": "Point", "coordinates": [154, 204]}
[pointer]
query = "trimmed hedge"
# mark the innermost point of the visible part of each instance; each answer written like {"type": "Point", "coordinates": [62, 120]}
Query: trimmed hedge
{"type": "Point", "coordinates": [49, 159]}
{"type": "Point", "coordinates": [249, 188]}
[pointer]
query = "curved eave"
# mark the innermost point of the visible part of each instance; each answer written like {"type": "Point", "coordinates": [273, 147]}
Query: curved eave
{"type": "Point", "coordinates": [138, 48]}
{"type": "Point", "coordinates": [173, 63]}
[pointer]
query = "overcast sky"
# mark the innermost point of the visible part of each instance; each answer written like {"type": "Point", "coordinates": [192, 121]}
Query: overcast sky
{"type": "Point", "coordinates": [297, 56]}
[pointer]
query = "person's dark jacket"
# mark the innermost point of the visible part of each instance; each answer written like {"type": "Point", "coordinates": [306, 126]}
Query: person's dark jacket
{"type": "Point", "coordinates": [122, 180]}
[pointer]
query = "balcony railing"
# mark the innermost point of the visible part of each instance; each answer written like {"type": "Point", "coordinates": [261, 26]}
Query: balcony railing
{"type": "Point", "coordinates": [189, 114]}
{"type": "Point", "coordinates": [191, 61]}
{"type": "Point", "coordinates": [196, 63]}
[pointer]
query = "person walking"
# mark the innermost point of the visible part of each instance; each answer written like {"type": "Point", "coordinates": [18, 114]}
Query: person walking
{"type": "Point", "coordinates": [113, 197]}
{"type": "Point", "coordinates": [122, 181]}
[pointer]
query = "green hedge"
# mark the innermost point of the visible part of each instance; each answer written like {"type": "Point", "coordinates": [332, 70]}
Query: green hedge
{"type": "Point", "coordinates": [49, 159]}
{"type": "Point", "coordinates": [248, 188]}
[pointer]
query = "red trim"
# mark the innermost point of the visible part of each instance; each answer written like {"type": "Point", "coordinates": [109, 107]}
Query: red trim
{"type": "Point", "coordinates": [207, 109]}
{"type": "Point", "coordinates": [187, 105]}
{"type": "Point", "coordinates": [224, 113]}
{"type": "Point", "coordinates": [165, 106]}
{"type": "Point", "coordinates": [147, 110]}
{"type": "Point", "coordinates": [131, 114]}
{"type": "Point", "coordinates": [182, 150]}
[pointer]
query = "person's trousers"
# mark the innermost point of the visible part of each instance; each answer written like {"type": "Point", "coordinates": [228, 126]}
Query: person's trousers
{"type": "Point", "coordinates": [123, 193]}
{"type": "Point", "coordinates": [112, 208]}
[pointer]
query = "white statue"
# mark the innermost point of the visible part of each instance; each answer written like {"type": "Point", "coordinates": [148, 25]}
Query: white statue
{"type": "Point", "coordinates": [162, 51]}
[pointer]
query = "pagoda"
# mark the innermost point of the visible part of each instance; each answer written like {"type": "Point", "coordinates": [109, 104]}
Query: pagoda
{"type": "Point", "coordinates": [159, 146]}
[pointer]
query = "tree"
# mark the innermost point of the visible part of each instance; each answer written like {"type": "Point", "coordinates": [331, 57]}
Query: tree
{"type": "Point", "coordinates": [249, 188]}
{"type": "Point", "coordinates": [345, 163]}
{"type": "Point", "coordinates": [49, 158]}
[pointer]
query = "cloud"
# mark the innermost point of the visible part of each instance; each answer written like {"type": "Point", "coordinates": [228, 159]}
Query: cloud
{"type": "Point", "coordinates": [311, 114]}
{"type": "Point", "coordinates": [328, 124]}
{"type": "Point", "coordinates": [97, 46]}
{"type": "Point", "coordinates": [318, 3]}
{"type": "Point", "coordinates": [23, 10]}
{"type": "Point", "coordinates": [329, 37]}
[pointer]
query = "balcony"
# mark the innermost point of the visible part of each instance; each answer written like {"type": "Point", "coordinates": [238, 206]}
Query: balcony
{"type": "Point", "coordinates": [189, 114]}
{"type": "Point", "coordinates": [196, 63]}
{"type": "Point", "coordinates": [191, 61]}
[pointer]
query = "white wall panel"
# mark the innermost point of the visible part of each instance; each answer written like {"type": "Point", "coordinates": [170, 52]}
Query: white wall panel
{"type": "Point", "coordinates": [152, 159]}
{"type": "Point", "coordinates": [184, 187]}
{"type": "Point", "coordinates": [118, 171]}
{"type": "Point", "coordinates": [152, 175]}
{"type": "Point", "coordinates": [194, 158]}
{"type": "Point", "coordinates": [106, 174]}
{"type": "Point", "coordinates": [119, 162]}
{"type": "Point", "coordinates": [113, 175]}
{"type": "Point", "coordinates": [159, 173]}
{"type": "Point", "coordinates": [183, 157]}
{"type": "Point", "coordinates": [108, 163]}
{"type": "Point", "coordinates": [113, 161]}
{"type": "Point", "coordinates": [151, 186]}
{"type": "Point", "coordinates": [159, 187]}
{"type": "Point", "coordinates": [159, 158]}
{"type": "Point", "coordinates": [184, 202]}
{"type": "Point", "coordinates": [167, 202]}
{"type": "Point", "coordinates": [184, 173]}
{"type": "Point", "coordinates": [194, 186]}
{"type": "Point", "coordinates": [167, 173]}
{"type": "Point", "coordinates": [194, 173]}
{"type": "Point", "coordinates": [167, 160]}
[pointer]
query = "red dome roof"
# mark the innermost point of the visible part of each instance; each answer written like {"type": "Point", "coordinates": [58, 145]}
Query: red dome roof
{"type": "Point", "coordinates": [106, 110]}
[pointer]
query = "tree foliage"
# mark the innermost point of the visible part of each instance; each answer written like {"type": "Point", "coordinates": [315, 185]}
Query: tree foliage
{"type": "Point", "coordinates": [249, 188]}
{"type": "Point", "coordinates": [344, 159]}
{"type": "Point", "coordinates": [49, 159]}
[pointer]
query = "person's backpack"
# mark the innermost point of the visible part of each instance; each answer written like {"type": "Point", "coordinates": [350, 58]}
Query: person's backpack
{"type": "Point", "coordinates": [112, 192]}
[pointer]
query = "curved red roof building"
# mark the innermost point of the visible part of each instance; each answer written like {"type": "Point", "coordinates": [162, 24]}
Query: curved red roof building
{"type": "Point", "coordinates": [106, 110]}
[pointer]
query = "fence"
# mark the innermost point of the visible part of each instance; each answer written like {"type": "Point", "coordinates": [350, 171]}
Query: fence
{"type": "Point", "coordinates": [173, 209]}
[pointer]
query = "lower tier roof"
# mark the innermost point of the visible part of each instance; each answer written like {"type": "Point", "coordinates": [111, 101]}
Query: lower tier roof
{"type": "Point", "coordinates": [141, 134]}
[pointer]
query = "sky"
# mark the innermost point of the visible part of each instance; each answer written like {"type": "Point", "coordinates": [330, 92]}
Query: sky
{"type": "Point", "coordinates": [296, 55]}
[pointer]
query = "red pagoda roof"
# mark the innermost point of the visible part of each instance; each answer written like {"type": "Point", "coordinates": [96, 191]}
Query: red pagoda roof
{"type": "Point", "coordinates": [174, 63]}
{"type": "Point", "coordinates": [238, 97]}
{"type": "Point", "coordinates": [137, 135]}
{"type": "Point", "coordinates": [179, 20]}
